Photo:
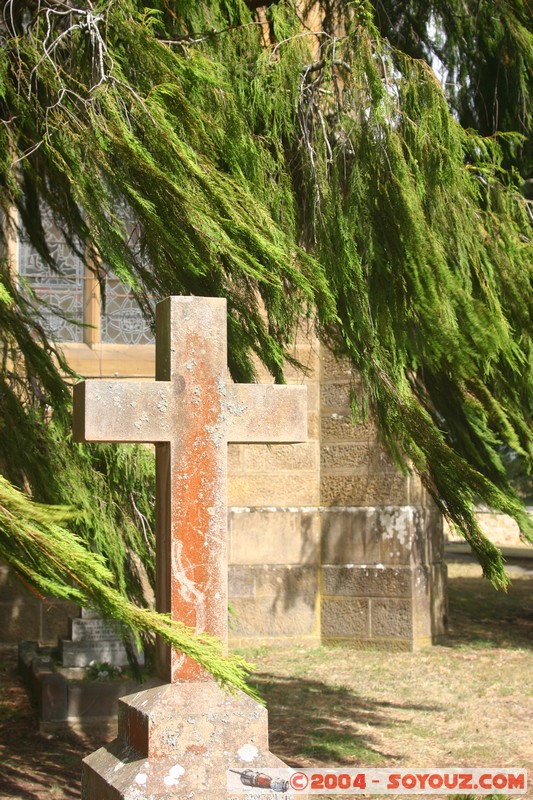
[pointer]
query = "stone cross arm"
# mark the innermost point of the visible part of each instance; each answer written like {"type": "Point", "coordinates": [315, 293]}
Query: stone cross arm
{"type": "Point", "coordinates": [144, 411]}
{"type": "Point", "coordinates": [190, 412]}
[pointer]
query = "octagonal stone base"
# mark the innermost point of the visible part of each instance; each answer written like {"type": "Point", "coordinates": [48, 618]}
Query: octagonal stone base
{"type": "Point", "coordinates": [177, 741]}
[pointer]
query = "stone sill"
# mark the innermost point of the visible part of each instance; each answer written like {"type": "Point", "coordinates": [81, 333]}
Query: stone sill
{"type": "Point", "coordinates": [110, 360]}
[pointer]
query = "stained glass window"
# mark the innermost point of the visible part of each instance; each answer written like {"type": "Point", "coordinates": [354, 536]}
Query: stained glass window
{"type": "Point", "coordinates": [63, 290]}
{"type": "Point", "coordinates": [122, 321]}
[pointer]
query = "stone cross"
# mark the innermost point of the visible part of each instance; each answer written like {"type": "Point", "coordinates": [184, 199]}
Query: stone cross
{"type": "Point", "coordinates": [190, 412]}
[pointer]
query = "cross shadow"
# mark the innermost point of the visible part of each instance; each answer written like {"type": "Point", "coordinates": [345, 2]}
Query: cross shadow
{"type": "Point", "coordinates": [311, 722]}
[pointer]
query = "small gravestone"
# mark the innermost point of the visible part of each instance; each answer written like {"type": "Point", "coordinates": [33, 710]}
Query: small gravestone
{"type": "Point", "coordinates": [178, 739]}
{"type": "Point", "coordinates": [91, 639]}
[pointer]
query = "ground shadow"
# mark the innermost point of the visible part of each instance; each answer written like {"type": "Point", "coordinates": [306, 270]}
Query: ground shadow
{"type": "Point", "coordinates": [34, 766]}
{"type": "Point", "coordinates": [483, 617]}
{"type": "Point", "coordinates": [311, 722]}
{"type": "Point", "coordinates": [314, 722]}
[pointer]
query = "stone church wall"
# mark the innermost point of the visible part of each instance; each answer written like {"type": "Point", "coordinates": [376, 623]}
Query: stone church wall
{"type": "Point", "coordinates": [327, 542]}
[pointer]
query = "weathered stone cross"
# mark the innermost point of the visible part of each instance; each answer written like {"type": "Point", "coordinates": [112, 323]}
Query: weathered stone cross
{"type": "Point", "coordinates": [190, 412]}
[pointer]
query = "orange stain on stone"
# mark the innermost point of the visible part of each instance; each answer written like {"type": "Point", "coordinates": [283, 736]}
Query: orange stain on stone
{"type": "Point", "coordinates": [196, 502]}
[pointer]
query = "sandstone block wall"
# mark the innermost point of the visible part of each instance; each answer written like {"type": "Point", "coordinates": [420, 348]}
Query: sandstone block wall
{"type": "Point", "coordinates": [23, 615]}
{"type": "Point", "coordinates": [282, 475]}
{"type": "Point", "coordinates": [356, 558]}
{"type": "Point", "coordinates": [354, 469]}
{"type": "Point", "coordinates": [274, 575]}
{"type": "Point", "coordinates": [383, 577]}
{"type": "Point", "coordinates": [274, 526]}
{"type": "Point", "coordinates": [379, 566]}
{"type": "Point", "coordinates": [327, 541]}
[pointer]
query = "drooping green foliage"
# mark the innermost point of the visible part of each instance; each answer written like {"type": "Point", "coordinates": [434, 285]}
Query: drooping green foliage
{"type": "Point", "coordinates": [484, 52]}
{"type": "Point", "coordinates": [432, 280]}
{"type": "Point", "coordinates": [112, 488]}
{"type": "Point", "coordinates": [293, 169]}
{"type": "Point", "coordinates": [36, 541]}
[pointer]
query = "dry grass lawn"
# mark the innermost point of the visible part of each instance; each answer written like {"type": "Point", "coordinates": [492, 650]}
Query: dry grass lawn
{"type": "Point", "coordinates": [468, 703]}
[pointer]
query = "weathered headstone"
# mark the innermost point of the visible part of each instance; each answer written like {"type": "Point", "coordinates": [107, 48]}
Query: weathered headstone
{"type": "Point", "coordinates": [177, 739]}
{"type": "Point", "coordinates": [93, 639]}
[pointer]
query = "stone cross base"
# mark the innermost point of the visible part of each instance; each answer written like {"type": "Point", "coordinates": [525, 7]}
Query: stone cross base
{"type": "Point", "coordinates": [177, 741]}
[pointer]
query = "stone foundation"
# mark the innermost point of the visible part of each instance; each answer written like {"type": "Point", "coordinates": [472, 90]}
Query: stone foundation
{"type": "Point", "coordinates": [383, 578]}
{"type": "Point", "coordinates": [362, 577]}
{"type": "Point", "coordinates": [274, 580]}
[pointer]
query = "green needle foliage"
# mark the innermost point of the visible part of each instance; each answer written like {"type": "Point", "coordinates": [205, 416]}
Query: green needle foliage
{"type": "Point", "coordinates": [52, 560]}
{"type": "Point", "coordinates": [484, 51]}
{"type": "Point", "coordinates": [294, 169]}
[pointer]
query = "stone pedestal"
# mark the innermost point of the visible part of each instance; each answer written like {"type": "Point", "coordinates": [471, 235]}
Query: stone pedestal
{"type": "Point", "coordinates": [177, 741]}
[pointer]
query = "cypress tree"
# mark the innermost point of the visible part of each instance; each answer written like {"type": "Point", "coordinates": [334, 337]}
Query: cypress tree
{"type": "Point", "coordinates": [293, 170]}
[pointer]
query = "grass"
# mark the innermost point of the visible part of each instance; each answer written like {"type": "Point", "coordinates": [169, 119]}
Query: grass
{"type": "Point", "coordinates": [338, 747]}
{"type": "Point", "coordinates": [466, 703]}
{"type": "Point", "coordinates": [484, 618]}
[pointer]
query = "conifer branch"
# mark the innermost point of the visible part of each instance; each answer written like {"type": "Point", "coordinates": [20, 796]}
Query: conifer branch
{"type": "Point", "coordinates": [323, 175]}
{"type": "Point", "coordinates": [36, 542]}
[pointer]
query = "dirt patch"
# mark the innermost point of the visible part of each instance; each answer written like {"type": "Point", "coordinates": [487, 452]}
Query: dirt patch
{"type": "Point", "coordinates": [468, 703]}
{"type": "Point", "coordinates": [33, 766]}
